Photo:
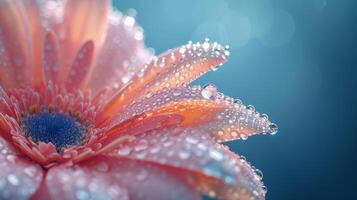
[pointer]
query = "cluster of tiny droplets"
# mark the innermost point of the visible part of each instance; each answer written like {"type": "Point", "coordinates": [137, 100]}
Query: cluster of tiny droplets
{"type": "Point", "coordinates": [123, 173]}
{"type": "Point", "coordinates": [245, 116]}
{"type": "Point", "coordinates": [19, 176]}
{"type": "Point", "coordinates": [235, 118]}
{"type": "Point", "coordinates": [159, 146]}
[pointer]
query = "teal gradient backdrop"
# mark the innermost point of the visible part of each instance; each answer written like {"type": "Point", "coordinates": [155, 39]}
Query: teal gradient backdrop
{"type": "Point", "coordinates": [292, 59]}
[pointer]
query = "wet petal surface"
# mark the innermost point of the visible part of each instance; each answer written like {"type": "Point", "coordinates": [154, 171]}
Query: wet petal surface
{"type": "Point", "coordinates": [19, 177]}
{"type": "Point", "coordinates": [203, 108]}
{"type": "Point", "coordinates": [175, 68]}
{"type": "Point", "coordinates": [122, 54]}
{"type": "Point", "coordinates": [113, 178]}
{"type": "Point", "coordinates": [50, 58]}
{"type": "Point", "coordinates": [15, 47]}
{"type": "Point", "coordinates": [80, 21]}
{"type": "Point", "coordinates": [212, 167]}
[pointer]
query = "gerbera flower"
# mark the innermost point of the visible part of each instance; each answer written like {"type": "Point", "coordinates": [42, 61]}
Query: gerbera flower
{"type": "Point", "coordinates": [83, 117]}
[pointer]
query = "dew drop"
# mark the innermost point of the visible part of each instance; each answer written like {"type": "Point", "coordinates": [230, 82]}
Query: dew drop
{"type": "Point", "coordinates": [205, 46]}
{"type": "Point", "coordinates": [182, 50]}
{"type": "Point", "coordinates": [13, 179]}
{"type": "Point", "coordinates": [11, 158]}
{"type": "Point", "coordinates": [176, 93]}
{"type": "Point", "coordinates": [274, 128]}
{"type": "Point", "coordinates": [234, 134]}
{"type": "Point", "coordinates": [259, 173]}
{"type": "Point", "coordinates": [124, 151]}
{"type": "Point", "coordinates": [155, 150]}
{"type": "Point", "coordinates": [209, 91]}
{"type": "Point", "coordinates": [244, 137]}
{"type": "Point", "coordinates": [264, 116]}
{"type": "Point", "coordinates": [183, 154]}
{"type": "Point", "coordinates": [251, 108]}
{"type": "Point", "coordinates": [140, 147]}
{"type": "Point", "coordinates": [215, 68]}
{"type": "Point", "coordinates": [30, 171]}
{"type": "Point", "coordinates": [126, 78]}
{"type": "Point", "coordinates": [191, 140]}
{"type": "Point", "coordinates": [141, 155]}
{"type": "Point", "coordinates": [216, 155]}
{"type": "Point", "coordinates": [129, 21]}
{"type": "Point", "coordinates": [243, 158]}
{"type": "Point", "coordinates": [238, 101]}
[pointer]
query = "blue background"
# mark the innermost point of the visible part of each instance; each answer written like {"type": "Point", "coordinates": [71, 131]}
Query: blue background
{"type": "Point", "coordinates": [292, 59]}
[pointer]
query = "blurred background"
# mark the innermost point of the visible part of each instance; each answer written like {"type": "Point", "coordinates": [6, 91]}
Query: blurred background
{"type": "Point", "coordinates": [292, 59]}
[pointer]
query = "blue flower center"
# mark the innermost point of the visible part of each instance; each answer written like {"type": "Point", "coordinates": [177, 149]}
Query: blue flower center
{"type": "Point", "coordinates": [60, 129]}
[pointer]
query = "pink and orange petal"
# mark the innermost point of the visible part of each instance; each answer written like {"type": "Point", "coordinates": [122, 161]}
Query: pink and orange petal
{"type": "Point", "coordinates": [148, 134]}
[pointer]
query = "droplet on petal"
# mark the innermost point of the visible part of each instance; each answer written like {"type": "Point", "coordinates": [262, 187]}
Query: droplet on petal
{"type": "Point", "coordinates": [209, 91]}
{"type": "Point", "coordinates": [274, 128]}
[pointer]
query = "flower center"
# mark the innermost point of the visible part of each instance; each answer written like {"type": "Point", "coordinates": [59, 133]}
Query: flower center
{"type": "Point", "coordinates": [60, 129]}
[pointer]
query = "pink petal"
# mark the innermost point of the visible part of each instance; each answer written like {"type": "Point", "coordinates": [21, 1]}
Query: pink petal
{"type": "Point", "coordinates": [83, 20]}
{"type": "Point", "coordinates": [15, 47]}
{"type": "Point", "coordinates": [82, 183]}
{"type": "Point", "coordinates": [138, 180]}
{"type": "Point", "coordinates": [19, 178]}
{"type": "Point", "coordinates": [219, 116]}
{"type": "Point", "coordinates": [213, 168]}
{"type": "Point", "coordinates": [36, 21]}
{"type": "Point", "coordinates": [80, 66]}
{"type": "Point", "coordinates": [172, 69]}
{"type": "Point", "coordinates": [122, 52]}
{"type": "Point", "coordinates": [4, 102]}
{"type": "Point", "coordinates": [50, 58]}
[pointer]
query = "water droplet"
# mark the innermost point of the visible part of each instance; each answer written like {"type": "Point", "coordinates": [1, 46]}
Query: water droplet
{"type": "Point", "coordinates": [243, 158]}
{"type": "Point", "coordinates": [13, 179]}
{"type": "Point", "coordinates": [11, 158]}
{"type": "Point", "coordinates": [259, 173]}
{"type": "Point", "coordinates": [264, 116]}
{"type": "Point", "coordinates": [216, 155]}
{"type": "Point", "coordinates": [205, 46]}
{"type": "Point", "coordinates": [126, 78]}
{"type": "Point", "coordinates": [176, 93]}
{"type": "Point", "coordinates": [141, 146]}
{"type": "Point", "coordinates": [238, 101]}
{"type": "Point", "coordinates": [191, 139]}
{"type": "Point", "coordinates": [274, 128]}
{"type": "Point", "coordinates": [124, 151]}
{"type": "Point", "coordinates": [209, 91]}
{"type": "Point", "coordinates": [202, 147]}
{"type": "Point", "coordinates": [141, 155]}
{"type": "Point", "coordinates": [30, 171]}
{"type": "Point", "coordinates": [234, 134]}
{"type": "Point", "coordinates": [168, 143]}
{"type": "Point", "coordinates": [155, 150]}
{"type": "Point", "coordinates": [129, 21]}
{"type": "Point", "coordinates": [251, 108]}
{"type": "Point", "coordinates": [183, 154]}
{"type": "Point", "coordinates": [182, 50]}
